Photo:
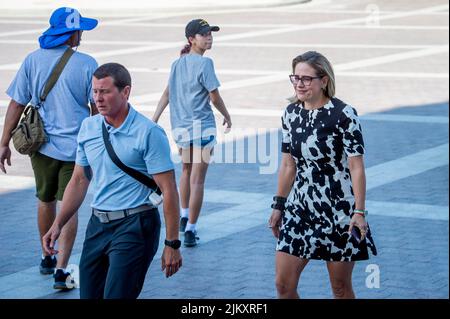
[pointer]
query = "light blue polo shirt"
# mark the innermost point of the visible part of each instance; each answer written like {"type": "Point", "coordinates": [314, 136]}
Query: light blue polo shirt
{"type": "Point", "coordinates": [139, 143]}
{"type": "Point", "coordinates": [66, 105]}
{"type": "Point", "coordinates": [192, 78]}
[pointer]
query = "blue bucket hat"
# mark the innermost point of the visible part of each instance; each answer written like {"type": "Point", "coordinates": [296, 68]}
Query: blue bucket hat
{"type": "Point", "coordinates": [66, 19]}
{"type": "Point", "coordinates": [63, 23]}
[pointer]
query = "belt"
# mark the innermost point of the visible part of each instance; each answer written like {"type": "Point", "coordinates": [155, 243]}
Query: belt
{"type": "Point", "coordinates": [106, 217]}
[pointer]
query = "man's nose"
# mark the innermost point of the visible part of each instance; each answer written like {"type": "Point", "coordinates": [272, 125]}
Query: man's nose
{"type": "Point", "coordinates": [98, 97]}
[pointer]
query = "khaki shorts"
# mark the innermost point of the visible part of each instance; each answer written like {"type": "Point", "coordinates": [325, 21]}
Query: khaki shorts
{"type": "Point", "coordinates": [51, 175]}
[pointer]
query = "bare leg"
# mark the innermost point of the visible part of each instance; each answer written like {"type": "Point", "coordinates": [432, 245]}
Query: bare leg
{"type": "Point", "coordinates": [46, 216]}
{"type": "Point", "coordinates": [341, 279]}
{"type": "Point", "coordinates": [185, 189]}
{"type": "Point", "coordinates": [288, 271]}
{"type": "Point", "coordinates": [66, 241]}
{"type": "Point", "coordinates": [197, 182]}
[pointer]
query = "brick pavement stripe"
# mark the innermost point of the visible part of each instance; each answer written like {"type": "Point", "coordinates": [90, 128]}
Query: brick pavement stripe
{"type": "Point", "coordinates": [407, 166]}
{"type": "Point", "coordinates": [405, 118]}
{"type": "Point", "coordinates": [381, 208]}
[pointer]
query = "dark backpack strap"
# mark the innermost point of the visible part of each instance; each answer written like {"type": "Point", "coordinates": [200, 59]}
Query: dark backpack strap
{"type": "Point", "coordinates": [54, 76]}
{"type": "Point", "coordinates": [144, 179]}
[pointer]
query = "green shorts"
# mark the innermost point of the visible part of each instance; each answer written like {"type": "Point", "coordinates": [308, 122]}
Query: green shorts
{"type": "Point", "coordinates": [51, 175]}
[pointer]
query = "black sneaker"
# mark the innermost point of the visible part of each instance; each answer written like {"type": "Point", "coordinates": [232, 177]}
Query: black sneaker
{"type": "Point", "coordinates": [183, 223]}
{"type": "Point", "coordinates": [47, 266]}
{"type": "Point", "coordinates": [190, 238]}
{"type": "Point", "coordinates": [63, 280]}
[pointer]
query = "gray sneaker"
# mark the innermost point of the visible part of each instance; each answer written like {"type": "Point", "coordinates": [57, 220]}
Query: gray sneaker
{"type": "Point", "coordinates": [183, 223]}
{"type": "Point", "coordinates": [190, 238]}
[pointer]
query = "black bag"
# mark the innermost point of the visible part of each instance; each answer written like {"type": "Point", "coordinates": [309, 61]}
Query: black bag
{"type": "Point", "coordinates": [156, 196]}
{"type": "Point", "coordinates": [30, 135]}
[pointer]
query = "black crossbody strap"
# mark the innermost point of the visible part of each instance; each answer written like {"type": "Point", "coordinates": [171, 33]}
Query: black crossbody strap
{"type": "Point", "coordinates": [56, 72]}
{"type": "Point", "coordinates": [144, 179]}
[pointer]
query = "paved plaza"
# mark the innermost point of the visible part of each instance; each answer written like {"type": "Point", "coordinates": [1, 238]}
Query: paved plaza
{"type": "Point", "coordinates": [392, 64]}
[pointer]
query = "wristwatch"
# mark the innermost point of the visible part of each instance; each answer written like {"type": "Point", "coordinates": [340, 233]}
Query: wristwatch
{"type": "Point", "coordinates": [175, 244]}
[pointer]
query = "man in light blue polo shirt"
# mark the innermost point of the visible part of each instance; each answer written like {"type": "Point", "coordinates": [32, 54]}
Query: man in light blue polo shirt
{"type": "Point", "coordinates": [122, 236]}
{"type": "Point", "coordinates": [65, 107]}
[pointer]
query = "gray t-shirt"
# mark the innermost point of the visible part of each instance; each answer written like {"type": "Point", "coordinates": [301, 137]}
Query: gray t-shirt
{"type": "Point", "coordinates": [192, 78]}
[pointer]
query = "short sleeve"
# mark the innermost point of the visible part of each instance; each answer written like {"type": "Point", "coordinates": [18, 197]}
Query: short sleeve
{"type": "Point", "coordinates": [20, 88]}
{"type": "Point", "coordinates": [208, 76]}
{"type": "Point", "coordinates": [81, 158]}
{"type": "Point", "coordinates": [157, 152]}
{"type": "Point", "coordinates": [286, 135]}
{"type": "Point", "coordinates": [350, 128]}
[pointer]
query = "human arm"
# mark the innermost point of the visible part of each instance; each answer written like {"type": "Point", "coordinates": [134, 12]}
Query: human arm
{"type": "Point", "coordinates": [171, 259]}
{"type": "Point", "coordinates": [286, 177]}
{"type": "Point", "coordinates": [73, 198]}
{"type": "Point", "coordinates": [13, 114]}
{"type": "Point", "coordinates": [162, 104]}
{"type": "Point", "coordinates": [217, 101]}
{"type": "Point", "coordinates": [210, 82]}
{"type": "Point", "coordinates": [358, 177]}
{"type": "Point", "coordinates": [353, 141]}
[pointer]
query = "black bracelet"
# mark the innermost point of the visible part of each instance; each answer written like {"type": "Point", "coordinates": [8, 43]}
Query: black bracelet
{"type": "Point", "coordinates": [278, 206]}
{"type": "Point", "coordinates": [279, 199]}
{"type": "Point", "coordinates": [278, 203]}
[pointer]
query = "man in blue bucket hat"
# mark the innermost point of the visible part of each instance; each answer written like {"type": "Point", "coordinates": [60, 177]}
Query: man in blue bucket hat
{"type": "Point", "coordinates": [64, 22]}
{"type": "Point", "coordinates": [68, 103]}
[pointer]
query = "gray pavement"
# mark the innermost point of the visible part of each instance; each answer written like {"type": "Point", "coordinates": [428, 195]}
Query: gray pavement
{"type": "Point", "coordinates": [391, 61]}
{"type": "Point", "coordinates": [134, 7]}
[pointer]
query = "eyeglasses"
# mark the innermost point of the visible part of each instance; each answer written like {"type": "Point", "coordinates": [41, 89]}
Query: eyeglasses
{"type": "Point", "coordinates": [306, 80]}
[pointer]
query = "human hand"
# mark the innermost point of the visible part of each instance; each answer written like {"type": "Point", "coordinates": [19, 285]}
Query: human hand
{"type": "Point", "coordinates": [5, 154]}
{"type": "Point", "coordinates": [171, 261]}
{"type": "Point", "coordinates": [49, 239]}
{"type": "Point", "coordinates": [227, 121]}
{"type": "Point", "coordinates": [360, 222]}
{"type": "Point", "coordinates": [275, 222]}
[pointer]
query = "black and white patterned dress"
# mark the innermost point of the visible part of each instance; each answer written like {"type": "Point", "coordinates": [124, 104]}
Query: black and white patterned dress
{"type": "Point", "coordinates": [317, 215]}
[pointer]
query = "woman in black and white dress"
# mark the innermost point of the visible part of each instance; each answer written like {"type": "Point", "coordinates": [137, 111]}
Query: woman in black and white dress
{"type": "Point", "coordinates": [322, 171]}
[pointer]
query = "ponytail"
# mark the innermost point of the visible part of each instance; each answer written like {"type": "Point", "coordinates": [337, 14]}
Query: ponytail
{"type": "Point", "coordinates": [186, 49]}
